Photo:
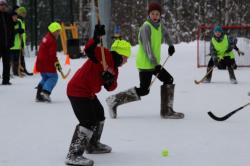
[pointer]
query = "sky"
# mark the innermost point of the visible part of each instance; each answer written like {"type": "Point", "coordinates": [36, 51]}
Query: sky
{"type": "Point", "coordinates": [40, 133]}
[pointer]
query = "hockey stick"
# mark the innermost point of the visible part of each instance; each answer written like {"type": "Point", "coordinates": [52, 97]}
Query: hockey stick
{"type": "Point", "coordinates": [158, 72]}
{"type": "Point", "coordinates": [200, 81]}
{"type": "Point", "coordinates": [223, 118]}
{"type": "Point", "coordinates": [64, 76]}
{"type": "Point", "coordinates": [104, 63]}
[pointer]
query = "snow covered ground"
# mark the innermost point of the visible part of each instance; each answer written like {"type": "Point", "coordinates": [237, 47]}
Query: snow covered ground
{"type": "Point", "coordinates": [39, 134]}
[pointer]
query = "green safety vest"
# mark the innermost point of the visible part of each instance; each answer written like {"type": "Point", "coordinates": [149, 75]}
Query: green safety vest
{"type": "Point", "coordinates": [142, 60]}
{"type": "Point", "coordinates": [24, 34]}
{"type": "Point", "coordinates": [221, 48]}
{"type": "Point", "coordinates": [17, 40]}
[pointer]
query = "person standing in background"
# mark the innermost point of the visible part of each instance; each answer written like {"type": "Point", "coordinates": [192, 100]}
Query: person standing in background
{"type": "Point", "coordinates": [6, 40]}
{"type": "Point", "coordinates": [22, 13]}
{"type": "Point", "coordinates": [15, 51]}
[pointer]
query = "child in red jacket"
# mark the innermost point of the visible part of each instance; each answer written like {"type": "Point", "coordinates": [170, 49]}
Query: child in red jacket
{"type": "Point", "coordinates": [46, 63]}
{"type": "Point", "coordinates": [82, 89]}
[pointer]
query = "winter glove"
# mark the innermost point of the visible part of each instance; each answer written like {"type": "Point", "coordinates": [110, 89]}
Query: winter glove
{"type": "Point", "coordinates": [108, 78]}
{"type": "Point", "coordinates": [171, 50]}
{"type": "Point", "coordinates": [58, 66]}
{"type": "Point", "coordinates": [98, 32]}
{"type": "Point", "coordinates": [158, 68]}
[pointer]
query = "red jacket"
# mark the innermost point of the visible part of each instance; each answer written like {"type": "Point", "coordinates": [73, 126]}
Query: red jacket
{"type": "Point", "coordinates": [46, 57]}
{"type": "Point", "coordinates": [87, 81]}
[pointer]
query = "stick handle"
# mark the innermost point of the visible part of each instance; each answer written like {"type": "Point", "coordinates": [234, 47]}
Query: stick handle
{"type": "Point", "coordinates": [158, 72]}
{"type": "Point", "coordinates": [104, 63]}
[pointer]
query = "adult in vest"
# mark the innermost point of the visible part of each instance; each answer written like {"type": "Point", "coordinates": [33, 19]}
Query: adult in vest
{"type": "Point", "coordinates": [151, 35]}
{"type": "Point", "coordinates": [222, 55]}
{"type": "Point", "coordinates": [6, 40]}
{"type": "Point", "coordinates": [22, 13]}
{"type": "Point", "coordinates": [15, 51]}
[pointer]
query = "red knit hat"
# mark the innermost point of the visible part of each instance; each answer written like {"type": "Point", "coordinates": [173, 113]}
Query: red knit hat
{"type": "Point", "coordinates": [154, 6]}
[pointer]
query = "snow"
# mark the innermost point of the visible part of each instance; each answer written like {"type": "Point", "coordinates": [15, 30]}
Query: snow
{"type": "Point", "coordinates": [40, 133]}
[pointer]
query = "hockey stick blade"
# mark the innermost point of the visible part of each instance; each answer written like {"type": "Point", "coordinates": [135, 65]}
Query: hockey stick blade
{"type": "Point", "coordinates": [197, 82]}
{"type": "Point", "coordinates": [223, 118]}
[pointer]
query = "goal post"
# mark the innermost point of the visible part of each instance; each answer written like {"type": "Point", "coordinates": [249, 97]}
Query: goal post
{"type": "Point", "coordinates": [242, 33]}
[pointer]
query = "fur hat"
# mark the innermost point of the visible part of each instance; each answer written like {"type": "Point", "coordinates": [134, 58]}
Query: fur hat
{"type": "Point", "coordinates": [154, 6]}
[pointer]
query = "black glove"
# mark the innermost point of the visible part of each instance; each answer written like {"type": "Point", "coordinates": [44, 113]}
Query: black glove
{"type": "Point", "coordinates": [171, 50]}
{"type": "Point", "coordinates": [99, 31]}
{"type": "Point", "coordinates": [107, 77]}
{"type": "Point", "coordinates": [158, 68]}
{"type": "Point", "coordinates": [58, 66]}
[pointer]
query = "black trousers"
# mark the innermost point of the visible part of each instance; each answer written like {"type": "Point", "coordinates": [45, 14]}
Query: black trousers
{"type": "Point", "coordinates": [89, 112]}
{"type": "Point", "coordinates": [6, 65]}
{"type": "Point", "coordinates": [146, 77]}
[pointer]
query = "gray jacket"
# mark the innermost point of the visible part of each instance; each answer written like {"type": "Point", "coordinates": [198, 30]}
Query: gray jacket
{"type": "Point", "coordinates": [145, 35]}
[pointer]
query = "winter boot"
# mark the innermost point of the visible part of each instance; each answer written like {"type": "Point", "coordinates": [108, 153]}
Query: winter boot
{"type": "Point", "coordinates": [167, 99]}
{"type": "Point", "coordinates": [45, 96]}
{"type": "Point", "coordinates": [15, 68]}
{"type": "Point", "coordinates": [39, 97]}
{"type": "Point", "coordinates": [121, 98]}
{"type": "Point", "coordinates": [231, 75]}
{"type": "Point", "coordinates": [78, 144]}
{"type": "Point", "coordinates": [95, 146]}
{"type": "Point", "coordinates": [209, 76]}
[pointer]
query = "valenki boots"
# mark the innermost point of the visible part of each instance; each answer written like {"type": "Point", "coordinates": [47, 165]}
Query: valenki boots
{"type": "Point", "coordinates": [95, 146]}
{"type": "Point", "coordinates": [78, 144]}
{"type": "Point", "coordinates": [121, 98]}
{"type": "Point", "coordinates": [167, 99]}
{"type": "Point", "coordinates": [231, 75]}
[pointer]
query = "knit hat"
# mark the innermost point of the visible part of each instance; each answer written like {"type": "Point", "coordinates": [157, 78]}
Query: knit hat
{"type": "Point", "coordinates": [154, 6]}
{"type": "Point", "coordinates": [3, 2]}
{"type": "Point", "coordinates": [21, 10]}
{"type": "Point", "coordinates": [218, 28]}
{"type": "Point", "coordinates": [54, 26]}
{"type": "Point", "coordinates": [122, 47]}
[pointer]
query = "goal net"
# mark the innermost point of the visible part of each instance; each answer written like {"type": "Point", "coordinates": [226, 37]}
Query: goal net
{"type": "Point", "coordinates": [204, 35]}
